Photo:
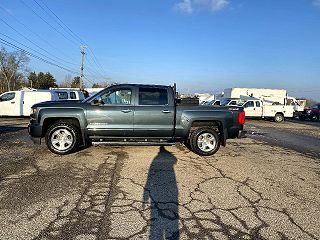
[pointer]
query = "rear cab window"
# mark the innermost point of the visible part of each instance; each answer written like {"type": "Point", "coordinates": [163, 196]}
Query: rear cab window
{"type": "Point", "coordinates": [153, 96]}
{"type": "Point", "coordinates": [257, 104]}
{"type": "Point", "coordinates": [62, 95]}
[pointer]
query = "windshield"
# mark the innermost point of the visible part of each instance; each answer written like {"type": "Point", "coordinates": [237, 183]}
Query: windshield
{"type": "Point", "coordinates": [225, 102]}
{"type": "Point", "coordinates": [241, 102]}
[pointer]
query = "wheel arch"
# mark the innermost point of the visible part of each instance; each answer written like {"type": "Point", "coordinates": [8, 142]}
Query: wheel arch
{"type": "Point", "coordinates": [214, 124]}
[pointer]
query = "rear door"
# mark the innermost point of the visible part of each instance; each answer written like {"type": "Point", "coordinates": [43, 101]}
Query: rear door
{"type": "Point", "coordinates": [154, 113]}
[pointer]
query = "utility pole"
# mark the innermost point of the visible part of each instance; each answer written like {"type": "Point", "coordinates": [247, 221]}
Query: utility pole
{"type": "Point", "coordinates": [81, 68]}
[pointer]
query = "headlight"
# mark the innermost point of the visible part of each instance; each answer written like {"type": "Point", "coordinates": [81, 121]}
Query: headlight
{"type": "Point", "coordinates": [33, 110]}
{"type": "Point", "coordinates": [308, 111]}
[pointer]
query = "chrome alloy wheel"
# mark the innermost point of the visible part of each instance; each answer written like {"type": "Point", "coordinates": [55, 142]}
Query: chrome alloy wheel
{"type": "Point", "coordinates": [62, 139]}
{"type": "Point", "coordinates": [206, 142]}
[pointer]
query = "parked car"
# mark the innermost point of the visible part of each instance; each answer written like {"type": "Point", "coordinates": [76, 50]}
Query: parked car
{"type": "Point", "coordinates": [18, 103]}
{"type": "Point", "coordinates": [229, 101]}
{"type": "Point", "coordinates": [312, 113]}
{"type": "Point", "coordinates": [134, 114]}
{"type": "Point", "coordinates": [212, 103]}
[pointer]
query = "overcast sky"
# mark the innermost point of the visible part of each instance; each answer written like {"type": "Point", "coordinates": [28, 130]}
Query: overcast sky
{"type": "Point", "coordinates": [202, 45]}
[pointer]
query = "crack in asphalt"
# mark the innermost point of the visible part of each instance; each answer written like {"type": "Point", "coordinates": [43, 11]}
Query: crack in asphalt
{"type": "Point", "coordinates": [105, 204]}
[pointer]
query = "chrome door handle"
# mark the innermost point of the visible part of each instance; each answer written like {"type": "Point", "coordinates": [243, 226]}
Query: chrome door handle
{"type": "Point", "coordinates": [166, 111]}
{"type": "Point", "coordinates": [126, 110]}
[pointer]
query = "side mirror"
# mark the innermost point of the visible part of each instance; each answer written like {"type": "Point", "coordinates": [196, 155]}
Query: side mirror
{"type": "Point", "coordinates": [97, 101]}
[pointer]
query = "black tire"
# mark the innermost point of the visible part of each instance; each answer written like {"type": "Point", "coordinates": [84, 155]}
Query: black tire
{"type": "Point", "coordinates": [278, 118]}
{"type": "Point", "coordinates": [302, 118]}
{"type": "Point", "coordinates": [200, 132]}
{"type": "Point", "coordinates": [70, 133]}
{"type": "Point", "coordinates": [314, 118]}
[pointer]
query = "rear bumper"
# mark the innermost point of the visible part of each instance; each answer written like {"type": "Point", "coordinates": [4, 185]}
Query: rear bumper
{"type": "Point", "coordinates": [242, 134]}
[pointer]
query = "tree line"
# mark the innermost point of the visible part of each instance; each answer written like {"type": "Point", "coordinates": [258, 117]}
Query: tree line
{"type": "Point", "coordinates": [15, 74]}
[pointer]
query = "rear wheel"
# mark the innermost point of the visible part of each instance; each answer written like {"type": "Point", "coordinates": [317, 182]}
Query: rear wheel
{"type": "Point", "coordinates": [278, 117]}
{"type": "Point", "coordinates": [204, 141]}
{"type": "Point", "coordinates": [62, 138]}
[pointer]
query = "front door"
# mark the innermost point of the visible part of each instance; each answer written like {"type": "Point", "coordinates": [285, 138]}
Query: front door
{"type": "Point", "coordinates": [253, 109]}
{"type": "Point", "coordinates": [113, 117]}
{"type": "Point", "coordinates": [154, 113]}
{"type": "Point", "coordinates": [8, 104]}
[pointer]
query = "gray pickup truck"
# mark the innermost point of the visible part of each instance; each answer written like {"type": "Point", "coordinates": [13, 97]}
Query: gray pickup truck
{"type": "Point", "coordinates": [137, 115]}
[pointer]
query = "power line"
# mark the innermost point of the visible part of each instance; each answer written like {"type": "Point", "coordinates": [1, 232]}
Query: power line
{"type": "Point", "coordinates": [31, 41]}
{"type": "Point", "coordinates": [88, 80]}
{"type": "Point", "coordinates": [74, 34]}
{"type": "Point", "coordinates": [34, 12]}
{"type": "Point", "coordinates": [3, 41]}
{"type": "Point", "coordinates": [32, 49]}
{"type": "Point", "coordinates": [39, 36]}
{"type": "Point", "coordinates": [71, 33]}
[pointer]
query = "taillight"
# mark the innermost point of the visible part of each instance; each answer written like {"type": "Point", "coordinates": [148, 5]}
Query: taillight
{"type": "Point", "coordinates": [241, 117]}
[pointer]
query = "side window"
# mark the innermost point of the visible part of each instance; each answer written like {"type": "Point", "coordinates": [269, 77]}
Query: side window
{"type": "Point", "coordinates": [73, 95]}
{"type": "Point", "coordinates": [153, 96]}
{"type": "Point", "coordinates": [257, 104]}
{"type": "Point", "coordinates": [217, 103]}
{"type": "Point", "coordinates": [233, 103]}
{"type": "Point", "coordinates": [120, 96]}
{"type": "Point", "coordinates": [249, 104]}
{"type": "Point", "coordinates": [62, 95]}
{"type": "Point", "coordinates": [7, 97]}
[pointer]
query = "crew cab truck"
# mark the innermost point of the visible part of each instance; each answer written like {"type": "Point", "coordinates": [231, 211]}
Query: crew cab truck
{"type": "Point", "coordinates": [134, 114]}
{"type": "Point", "coordinates": [257, 109]}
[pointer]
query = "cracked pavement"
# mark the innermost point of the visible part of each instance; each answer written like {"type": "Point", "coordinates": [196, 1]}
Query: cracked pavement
{"type": "Point", "coordinates": [248, 190]}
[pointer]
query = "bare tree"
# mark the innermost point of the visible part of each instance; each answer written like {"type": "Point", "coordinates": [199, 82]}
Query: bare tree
{"type": "Point", "coordinates": [104, 84]}
{"type": "Point", "coordinates": [12, 69]}
{"type": "Point", "coordinates": [66, 82]}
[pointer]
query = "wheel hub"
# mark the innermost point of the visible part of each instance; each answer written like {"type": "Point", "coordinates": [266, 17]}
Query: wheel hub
{"type": "Point", "coordinates": [206, 142]}
{"type": "Point", "coordinates": [62, 139]}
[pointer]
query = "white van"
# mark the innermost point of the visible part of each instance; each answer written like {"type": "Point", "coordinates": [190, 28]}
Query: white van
{"type": "Point", "coordinates": [19, 103]}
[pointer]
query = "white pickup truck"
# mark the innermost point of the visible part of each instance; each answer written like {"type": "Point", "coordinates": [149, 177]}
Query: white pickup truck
{"type": "Point", "coordinates": [257, 109]}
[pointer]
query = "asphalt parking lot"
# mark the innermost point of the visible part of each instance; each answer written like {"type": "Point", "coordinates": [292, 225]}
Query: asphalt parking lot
{"type": "Point", "coordinates": [266, 186]}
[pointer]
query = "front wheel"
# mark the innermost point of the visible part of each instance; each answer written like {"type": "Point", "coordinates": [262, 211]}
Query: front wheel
{"type": "Point", "coordinates": [205, 141]}
{"type": "Point", "coordinates": [278, 117]}
{"type": "Point", "coordinates": [62, 138]}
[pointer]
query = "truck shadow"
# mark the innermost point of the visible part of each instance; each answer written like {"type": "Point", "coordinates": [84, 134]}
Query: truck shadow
{"type": "Point", "coordinates": [162, 191]}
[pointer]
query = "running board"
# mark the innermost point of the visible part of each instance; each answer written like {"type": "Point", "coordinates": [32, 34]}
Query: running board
{"type": "Point", "coordinates": [135, 143]}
